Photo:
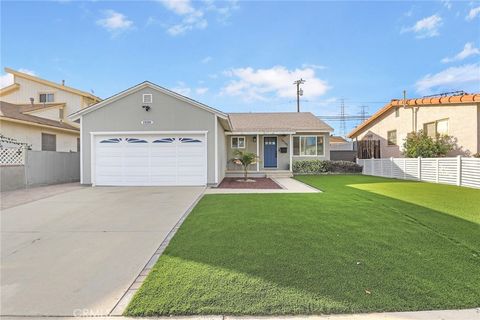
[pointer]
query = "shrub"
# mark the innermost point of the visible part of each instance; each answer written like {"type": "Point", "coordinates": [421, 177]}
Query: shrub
{"type": "Point", "coordinates": [418, 144]}
{"type": "Point", "coordinates": [325, 166]}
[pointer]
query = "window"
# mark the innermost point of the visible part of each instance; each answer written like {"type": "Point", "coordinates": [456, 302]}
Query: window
{"type": "Point", "coordinates": [432, 129]}
{"type": "Point", "coordinates": [397, 112]}
{"type": "Point", "coordinates": [392, 138]}
{"type": "Point", "coordinates": [147, 98]}
{"type": "Point", "coordinates": [308, 146]}
{"type": "Point", "coordinates": [442, 127]}
{"type": "Point", "coordinates": [46, 97]}
{"type": "Point", "coordinates": [238, 142]}
{"type": "Point", "coordinates": [78, 144]}
{"type": "Point", "coordinates": [49, 142]}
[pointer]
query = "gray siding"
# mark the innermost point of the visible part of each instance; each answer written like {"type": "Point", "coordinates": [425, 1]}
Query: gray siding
{"type": "Point", "coordinates": [167, 113]}
{"type": "Point", "coordinates": [222, 153]}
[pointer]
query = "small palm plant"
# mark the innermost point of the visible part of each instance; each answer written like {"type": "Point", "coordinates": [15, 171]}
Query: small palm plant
{"type": "Point", "coordinates": [244, 159]}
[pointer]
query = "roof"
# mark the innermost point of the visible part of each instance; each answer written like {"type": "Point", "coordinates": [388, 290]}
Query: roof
{"type": "Point", "coordinates": [52, 84]}
{"type": "Point", "coordinates": [145, 84]}
{"type": "Point", "coordinates": [337, 139]}
{"type": "Point", "coordinates": [418, 102]}
{"type": "Point", "coordinates": [39, 106]}
{"type": "Point", "coordinates": [8, 89]}
{"type": "Point", "coordinates": [277, 122]}
{"type": "Point", "coordinates": [10, 111]}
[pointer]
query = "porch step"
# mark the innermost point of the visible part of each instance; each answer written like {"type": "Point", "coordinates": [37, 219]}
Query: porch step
{"type": "Point", "coordinates": [279, 174]}
{"type": "Point", "coordinates": [240, 175]}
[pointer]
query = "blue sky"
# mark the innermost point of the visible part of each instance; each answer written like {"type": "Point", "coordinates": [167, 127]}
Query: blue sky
{"type": "Point", "coordinates": [244, 56]}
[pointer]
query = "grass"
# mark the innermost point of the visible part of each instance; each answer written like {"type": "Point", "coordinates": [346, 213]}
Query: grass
{"type": "Point", "coordinates": [364, 244]}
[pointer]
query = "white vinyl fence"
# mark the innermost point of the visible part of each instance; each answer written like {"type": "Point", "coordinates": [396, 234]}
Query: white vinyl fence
{"type": "Point", "coordinates": [458, 171]}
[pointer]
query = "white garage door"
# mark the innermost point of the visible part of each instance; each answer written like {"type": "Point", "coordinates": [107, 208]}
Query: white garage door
{"type": "Point", "coordinates": [150, 160]}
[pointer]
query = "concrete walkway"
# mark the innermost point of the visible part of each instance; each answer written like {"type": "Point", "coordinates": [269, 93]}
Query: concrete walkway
{"type": "Point", "coordinates": [82, 250]}
{"type": "Point", "coordinates": [288, 185]}
{"type": "Point", "coordinates": [467, 314]}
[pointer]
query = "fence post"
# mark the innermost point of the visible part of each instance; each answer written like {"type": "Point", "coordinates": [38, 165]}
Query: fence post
{"type": "Point", "coordinates": [437, 165]}
{"type": "Point", "coordinates": [459, 170]}
{"type": "Point", "coordinates": [419, 168]}
{"type": "Point", "coordinates": [404, 168]}
{"type": "Point", "coordinates": [391, 167]}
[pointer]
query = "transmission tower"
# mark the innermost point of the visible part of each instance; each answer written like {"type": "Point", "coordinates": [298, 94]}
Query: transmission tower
{"type": "Point", "coordinates": [363, 113]}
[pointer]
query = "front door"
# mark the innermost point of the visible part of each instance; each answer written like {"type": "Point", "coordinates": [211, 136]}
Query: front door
{"type": "Point", "coordinates": [270, 152]}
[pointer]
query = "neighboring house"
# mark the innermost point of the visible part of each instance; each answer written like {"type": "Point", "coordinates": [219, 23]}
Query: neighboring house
{"type": "Point", "coordinates": [341, 149]}
{"type": "Point", "coordinates": [148, 135]}
{"type": "Point", "coordinates": [339, 143]}
{"type": "Point", "coordinates": [455, 115]}
{"type": "Point", "coordinates": [34, 112]}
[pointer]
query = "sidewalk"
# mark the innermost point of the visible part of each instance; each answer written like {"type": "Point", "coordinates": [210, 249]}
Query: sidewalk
{"type": "Point", "coordinates": [466, 314]}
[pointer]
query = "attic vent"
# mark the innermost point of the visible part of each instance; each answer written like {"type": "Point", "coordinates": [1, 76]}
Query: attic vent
{"type": "Point", "coordinates": [147, 98]}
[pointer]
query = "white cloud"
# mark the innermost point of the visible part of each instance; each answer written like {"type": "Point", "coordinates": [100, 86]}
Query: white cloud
{"type": "Point", "coordinates": [180, 7]}
{"type": "Point", "coordinates": [453, 78]}
{"type": "Point", "coordinates": [426, 27]}
{"type": "Point", "coordinates": [468, 50]}
{"type": "Point", "coordinates": [7, 79]}
{"type": "Point", "coordinates": [314, 66]}
{"type": "Point", "coordinates": [115, 22]}
{"type": "Point", "coordinates": [447, 4]}
{"type": "Point", "coordinates": [473, 13]}
{"type": "Point", "coordinates": [182, 88]}
{"type": "Point", "coordinates": [259, 84]}
{"type": "Point", "coordinates": [192, 18]}
{"type": "Point", "coordinates": [206, 59]}
{"type": "Point", "coordinates": [201, 90]}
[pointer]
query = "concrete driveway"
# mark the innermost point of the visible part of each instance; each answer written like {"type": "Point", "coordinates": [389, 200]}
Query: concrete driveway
{"type": "Point", "coordinates": [81, 250]}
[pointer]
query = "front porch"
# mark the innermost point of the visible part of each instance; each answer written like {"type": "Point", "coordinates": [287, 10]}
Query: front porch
{"type": "Point", "coordinates": [276, 151]}
{"type": "Point", "coordinates": [273, 150]}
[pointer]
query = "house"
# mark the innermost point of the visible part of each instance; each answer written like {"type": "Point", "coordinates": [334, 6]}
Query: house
{"type": "Point", "coordinates": [34, 112]}
{"type": "Point", "coordinates": [455, 115]}
{"type": "Point", "coordinates": [148, 135]}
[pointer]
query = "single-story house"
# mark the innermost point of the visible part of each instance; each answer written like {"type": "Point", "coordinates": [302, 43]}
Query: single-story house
{"type": "Point", "coordinates": [456, 115]}
{"type": "Point", "coordinates": [148, 136]}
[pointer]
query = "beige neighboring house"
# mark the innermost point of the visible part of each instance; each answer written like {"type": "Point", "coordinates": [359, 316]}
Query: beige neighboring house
{"type": "Point", "coordinates": [34, 112]}
{"type": "Point", "coordinates": [455, 115]}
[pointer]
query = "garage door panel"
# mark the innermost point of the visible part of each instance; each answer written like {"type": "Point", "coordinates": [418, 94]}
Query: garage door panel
{"type": "Point", "coordinates": [142, 160]}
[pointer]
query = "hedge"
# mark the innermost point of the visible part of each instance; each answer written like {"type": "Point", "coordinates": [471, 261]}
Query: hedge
{"type": "Point", "coordinates": [325, 166]}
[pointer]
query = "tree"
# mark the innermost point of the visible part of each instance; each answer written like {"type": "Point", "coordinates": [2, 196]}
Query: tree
{"type": "Point", "coordinates": [245, 159]}
{"type": "Point", "coordinates": [419, 144]}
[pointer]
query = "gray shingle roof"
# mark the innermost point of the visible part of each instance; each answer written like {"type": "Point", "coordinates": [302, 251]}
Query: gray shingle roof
{"type": "Point", "coordinates": [277, 122]}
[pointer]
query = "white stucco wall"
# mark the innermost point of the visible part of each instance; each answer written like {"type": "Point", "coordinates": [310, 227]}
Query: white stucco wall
{"type": "Point", "coordinates": [31, 89]}
{"type": "Point", "coordinates": [463, 124]}
{"type": "Point", "coordinates": [66, 141]}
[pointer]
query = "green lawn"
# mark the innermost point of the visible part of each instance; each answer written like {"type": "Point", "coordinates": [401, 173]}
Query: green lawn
{"type": "Point", "coordinates": [364, 244]}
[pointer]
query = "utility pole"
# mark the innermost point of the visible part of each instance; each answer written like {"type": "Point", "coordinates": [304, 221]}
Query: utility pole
{"type": "Point", "coordinates": [299, 92]}
{"type": "Point", "coordinates": [343, 128]}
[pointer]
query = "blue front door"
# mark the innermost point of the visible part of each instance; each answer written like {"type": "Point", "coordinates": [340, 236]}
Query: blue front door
{"type": "Point", "coordinates": [270, 152]}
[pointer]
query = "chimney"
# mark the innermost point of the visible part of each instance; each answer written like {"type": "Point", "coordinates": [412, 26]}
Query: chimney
{"type": "Point", "coordinates": [63, 82]}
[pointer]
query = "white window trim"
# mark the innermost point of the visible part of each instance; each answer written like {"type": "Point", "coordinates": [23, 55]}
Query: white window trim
{"type": "Point", "coordinates": [146, 95]}
{"type": "Point", "coordinates": [238, 137]}
{"type": "Point", "coordinates": [46, 92]}
{"type": "Point", "coordinates": [316, 146]}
